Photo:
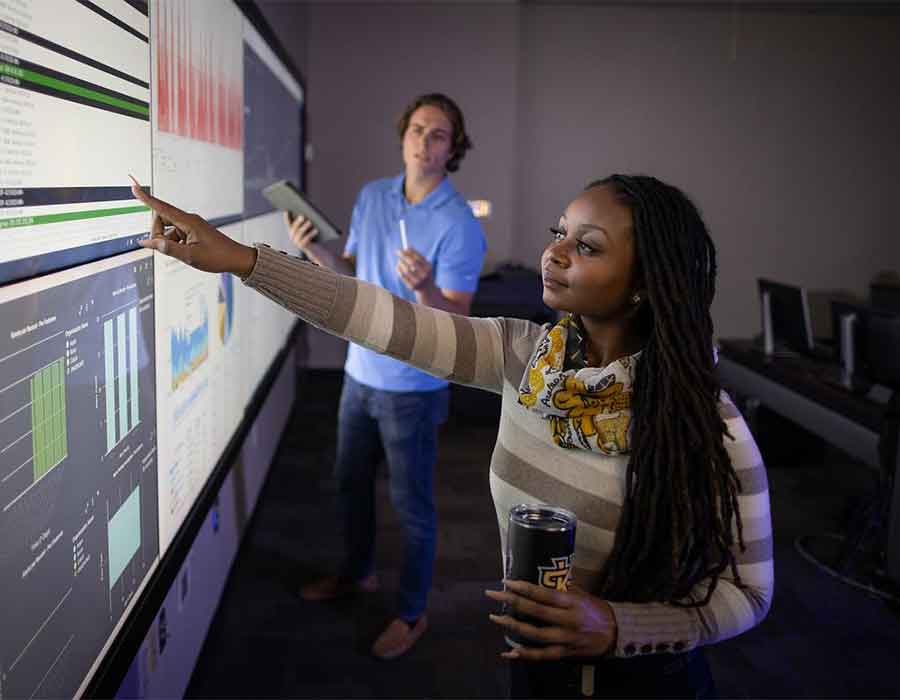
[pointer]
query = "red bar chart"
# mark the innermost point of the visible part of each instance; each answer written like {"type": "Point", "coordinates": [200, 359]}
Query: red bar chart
{"type": "Point", "coordinates": [197, 98]}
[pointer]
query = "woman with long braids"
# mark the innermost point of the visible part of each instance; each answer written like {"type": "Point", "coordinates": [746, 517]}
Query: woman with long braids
{"type": "Point", "coordinates": [614, 413]}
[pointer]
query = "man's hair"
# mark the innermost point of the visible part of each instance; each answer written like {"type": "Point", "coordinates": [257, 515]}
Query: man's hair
{"type": "Point", "coordinates": [460, 141]}
{"type": "Point", "coordinates": [681, 490]}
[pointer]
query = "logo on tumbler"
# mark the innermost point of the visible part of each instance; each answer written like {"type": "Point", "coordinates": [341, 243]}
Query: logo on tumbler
{"type": "Point", "coordinates": [556, 576]}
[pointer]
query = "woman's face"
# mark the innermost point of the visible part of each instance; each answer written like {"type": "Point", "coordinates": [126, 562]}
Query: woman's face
{"type": "Point", "coordinates": [588, 268]}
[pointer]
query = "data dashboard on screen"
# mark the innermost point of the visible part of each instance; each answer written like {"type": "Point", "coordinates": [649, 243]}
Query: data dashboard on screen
{"type": "Point", "coordinates": [215, 340]}
{"type": "Point", "coordinates": [201, 385]}
{"type": "Point", "coordinates": [78, 458]}
{"type": "Point", "coordinates": [74, 121]}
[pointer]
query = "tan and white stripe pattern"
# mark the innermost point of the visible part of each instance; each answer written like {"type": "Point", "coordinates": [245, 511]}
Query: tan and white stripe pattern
{"type": "Point", "coordinates": [526, 465]}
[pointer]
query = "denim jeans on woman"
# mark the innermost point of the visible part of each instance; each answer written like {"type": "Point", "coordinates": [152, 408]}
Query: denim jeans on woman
{"type": "Point", "coordinates": [402, 426]}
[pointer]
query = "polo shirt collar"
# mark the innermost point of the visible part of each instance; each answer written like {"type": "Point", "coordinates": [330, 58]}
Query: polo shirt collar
{"type": "Point", "coordinates": [433, 200]}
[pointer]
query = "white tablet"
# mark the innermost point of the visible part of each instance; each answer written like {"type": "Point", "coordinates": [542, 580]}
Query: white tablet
{"type": "Point", "coordinates": [283, 195]}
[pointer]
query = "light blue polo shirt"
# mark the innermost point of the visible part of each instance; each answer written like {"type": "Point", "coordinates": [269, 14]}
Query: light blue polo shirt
{"type": "Point", "coordinates": [442, 229]}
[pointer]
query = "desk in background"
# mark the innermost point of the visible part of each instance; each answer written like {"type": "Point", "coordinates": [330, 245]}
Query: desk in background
{"type": "Point", "coordinates": [806, 392]}
{"type": "Point", "coordinates": [512, 291]}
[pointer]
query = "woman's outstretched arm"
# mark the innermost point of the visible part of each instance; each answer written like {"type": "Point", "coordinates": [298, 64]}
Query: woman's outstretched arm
{"type": "Point", "coordinates": [457, 348]}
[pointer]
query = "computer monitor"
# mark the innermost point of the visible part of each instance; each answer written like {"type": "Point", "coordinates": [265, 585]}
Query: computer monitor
{"type": "Point", "coordinates": [849, 322]}
{"type": "Point", "coordinates": [885, 292]}
{"type": "Point", "coordinates": [785, 318]}
{"type": "Point", "coordinates": [883, 348]}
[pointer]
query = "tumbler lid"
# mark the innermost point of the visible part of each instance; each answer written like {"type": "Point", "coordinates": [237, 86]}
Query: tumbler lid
{"type": "Point", "coordinates": [542, 517]}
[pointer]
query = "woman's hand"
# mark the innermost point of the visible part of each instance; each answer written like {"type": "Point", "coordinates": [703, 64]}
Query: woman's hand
{"type": "Point", "coordinates": [192, 240]}
{"type": "Point", "coordinates": [414, 269]}
{"type": "Point", "coordinates": [301, 231]}
{"type": "Point", "coordinates": [578, 624]}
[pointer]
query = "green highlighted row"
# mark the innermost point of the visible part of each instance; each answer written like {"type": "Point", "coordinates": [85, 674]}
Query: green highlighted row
{"type": "Point", "coordinates": [62, 86]}
{"type": "Point", "coordinates": [68, 216]}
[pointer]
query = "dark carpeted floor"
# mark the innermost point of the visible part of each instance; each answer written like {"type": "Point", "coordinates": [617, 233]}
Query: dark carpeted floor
{"type": "Point", "coordinates": [822, 638]}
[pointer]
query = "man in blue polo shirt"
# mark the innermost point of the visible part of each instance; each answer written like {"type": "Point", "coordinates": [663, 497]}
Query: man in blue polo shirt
{"type": "Point", "coordinates": [416, 236]}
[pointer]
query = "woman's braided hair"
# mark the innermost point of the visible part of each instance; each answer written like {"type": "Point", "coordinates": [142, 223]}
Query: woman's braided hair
{"type": "Point", "coordinates": [680, 489]}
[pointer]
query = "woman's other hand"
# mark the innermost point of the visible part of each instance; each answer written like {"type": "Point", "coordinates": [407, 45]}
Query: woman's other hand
{"type": "Point", "coordinates": [301, 231]}
{"type": "Point", "coordinates": [192, 240]}
{"type": "Point", "coordinates": [578, 624]}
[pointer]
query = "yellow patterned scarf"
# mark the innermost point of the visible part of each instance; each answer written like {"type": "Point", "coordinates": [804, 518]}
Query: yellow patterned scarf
{"type": "Point", "coordinates": [588, 408]}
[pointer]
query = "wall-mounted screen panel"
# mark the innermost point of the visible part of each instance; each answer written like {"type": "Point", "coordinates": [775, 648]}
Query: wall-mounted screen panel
{"type": "Point", "coordinates": [273, 134]}
{"type": "Point", "coordinates": [201, 390]}
{"type": "Point", "coordinates": [198, 113]}
{"type": "Point", "coordinates": [78, 502]}
{"type": "Point", "coordinates": [74, 121]}
{"type": "Point", "coordinates": [269, 322]}
{"type": "Point", "coordinates": [124, 375]}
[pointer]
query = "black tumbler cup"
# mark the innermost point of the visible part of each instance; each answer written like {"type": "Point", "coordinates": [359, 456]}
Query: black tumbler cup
{"type": "Point", "coordinates": [540, 549]}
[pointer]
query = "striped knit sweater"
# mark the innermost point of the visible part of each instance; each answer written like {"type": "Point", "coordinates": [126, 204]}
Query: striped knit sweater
{"type": "Point", "coordinates": [526, 466]}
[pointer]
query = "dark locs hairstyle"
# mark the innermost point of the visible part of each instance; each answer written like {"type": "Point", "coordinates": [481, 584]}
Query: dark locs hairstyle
{"type": "Point", "coordinates": [681, 488]}
{"type": "Point", "coordinates": [461, 141]}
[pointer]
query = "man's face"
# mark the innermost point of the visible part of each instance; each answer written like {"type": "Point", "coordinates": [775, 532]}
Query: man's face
{"type": "Point", "coordinates": [427, 143]}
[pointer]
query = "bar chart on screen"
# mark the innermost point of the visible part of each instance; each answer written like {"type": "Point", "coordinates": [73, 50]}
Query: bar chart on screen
{"type": "Point", "coordinates": [78, 475]}
{"type": "Point", "coordinates": [121, 388]}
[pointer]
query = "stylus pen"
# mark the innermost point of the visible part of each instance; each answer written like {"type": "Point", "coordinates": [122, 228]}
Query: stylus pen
{"type": "Point", "coordinates": [403, 234]}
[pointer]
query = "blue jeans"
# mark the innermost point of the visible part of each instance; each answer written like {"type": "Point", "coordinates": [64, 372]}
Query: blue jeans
{"type": "Point", "coordinates": [404, 426]}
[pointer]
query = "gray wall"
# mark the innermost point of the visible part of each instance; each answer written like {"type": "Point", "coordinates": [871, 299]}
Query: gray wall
{"type": "Point", "coordinates": [781, 123]}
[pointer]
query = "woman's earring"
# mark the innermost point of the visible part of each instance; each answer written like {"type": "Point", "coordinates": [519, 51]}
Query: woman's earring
{"type": "Point", "coordinates": [636, 299]}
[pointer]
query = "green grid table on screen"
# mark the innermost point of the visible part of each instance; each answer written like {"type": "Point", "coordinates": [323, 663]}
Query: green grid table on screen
{"type": "Point", "coordinates": [48, 418]}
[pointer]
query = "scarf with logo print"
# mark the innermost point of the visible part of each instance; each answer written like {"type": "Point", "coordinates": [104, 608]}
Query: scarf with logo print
{"type": "Point", "coordinates": [587, 408]}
